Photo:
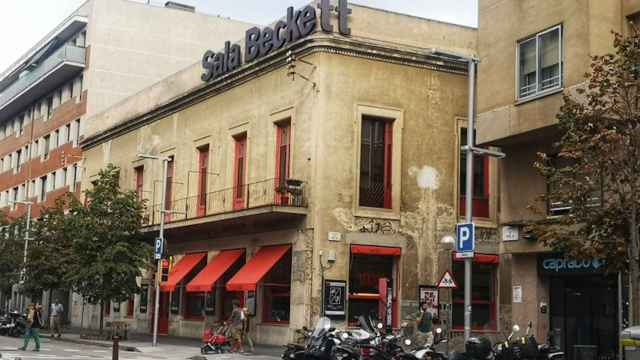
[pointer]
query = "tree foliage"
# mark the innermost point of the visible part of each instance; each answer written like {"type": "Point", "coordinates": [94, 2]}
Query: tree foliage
{"type": "Point", "coordinates": [595, 168]}
{"type": "Point", "coordinates": [108, 248]}
{"type": "Point", "coordinates": [50, 249]}
{"type": "Point", "coordinates": [11, 252]}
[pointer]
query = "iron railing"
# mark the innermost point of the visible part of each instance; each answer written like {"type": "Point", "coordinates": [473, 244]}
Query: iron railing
{"type": "Point", "coordinates": [272, 192]}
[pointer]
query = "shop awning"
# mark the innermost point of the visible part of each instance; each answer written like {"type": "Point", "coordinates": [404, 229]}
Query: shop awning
{"type": "Point", "coordinates": [247, 278]}
{"type": "Point", "coordinates": [482, 258]}
{"type": "Point", "coordinates": [181, 269]}
{"type": "Point", "coordinates": [375, 250]}
{"type": "Point", "coordinates": [214, 269]}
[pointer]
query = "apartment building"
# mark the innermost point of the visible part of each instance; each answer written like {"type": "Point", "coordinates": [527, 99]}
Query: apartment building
{"type": "Point", "coordinates": [539, 50]}
{"type": "Point", "coordinates": [103, 52]}
{"type": "Point", "coordinates": [323, 163]}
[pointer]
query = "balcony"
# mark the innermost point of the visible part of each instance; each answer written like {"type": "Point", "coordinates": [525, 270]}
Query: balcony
{"type": "Point", "coordinates": [54, 70]}
{"type": "Point", "coordinates": [260, 206]}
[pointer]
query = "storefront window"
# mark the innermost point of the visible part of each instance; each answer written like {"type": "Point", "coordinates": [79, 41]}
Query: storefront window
{"type": "Point", "coordinates": [194, 305]}
{"type": "Point", "coordinates": [483, 296]}
{"type": "Point", "coordinates": [364, 275]}
{"type": "Point", "coordinates": [175, 300]}
{"type": "Point", "coordinates": [276, 289]}
{"type": "Point", "coordinates": [144, 299]}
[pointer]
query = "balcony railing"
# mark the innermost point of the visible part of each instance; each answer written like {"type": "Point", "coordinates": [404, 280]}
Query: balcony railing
{"type": "Point", "coordinates": [65, 54]}
{"type": "Point", "coordinates": [272, 192]}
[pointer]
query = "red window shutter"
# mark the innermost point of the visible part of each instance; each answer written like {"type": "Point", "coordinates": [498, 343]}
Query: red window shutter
{"type": "Point", "coordinates": [388, 153]}
{"type": "Point", "coordinates": [283, 154]}
{"type": "Point", "coordinates": [169, 188]}
{"type": "Point", "coordinates": [139, 181]}
{"type": "Point", "coordinates": [239, 172]}
{"type": "Point", "coordinates": [203, 163]}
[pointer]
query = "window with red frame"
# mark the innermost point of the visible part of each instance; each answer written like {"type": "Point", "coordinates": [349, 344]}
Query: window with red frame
{"type": "Point", "coordinates": [483, 296]}
{"type": "Point", "coordinates": [276, 290]}
{"type": "Point", "coordinates": [480, 181]}
{"type": "Point", "coordinates": [169, 188]}
{"type": "Point", "coordinates": [364, 274]}
{"type": "Point", "coordinates": [130, 305]}
{"type": "Point", "coordinates": [239, 167]}
{"type": "Point", "coordinates": [376, 144]}
{"type": "Point", "coordinates": [283, 154]}
{"type": "Point", "coordinates": [203, 167]}
{"type": "Point", "coordinates": [139, 180]}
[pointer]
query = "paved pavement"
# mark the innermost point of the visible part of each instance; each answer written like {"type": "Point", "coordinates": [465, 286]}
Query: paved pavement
{"type": "Point", "coordinates": [56, 349]}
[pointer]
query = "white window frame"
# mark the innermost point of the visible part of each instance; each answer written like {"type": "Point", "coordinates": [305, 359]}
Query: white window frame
{"type": "Point", "coordinates": [536, 37]}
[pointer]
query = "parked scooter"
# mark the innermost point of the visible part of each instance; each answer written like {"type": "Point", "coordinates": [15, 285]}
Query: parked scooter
{"type": "Point", "coordinates": [475, 349]}
{"type": "Point", "coordinates": [13, 324]}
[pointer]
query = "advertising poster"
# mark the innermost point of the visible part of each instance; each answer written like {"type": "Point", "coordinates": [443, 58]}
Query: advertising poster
{"type": "Point", "coordinates": [429, 295]}
{"type": "Point", "coordinates": [335, 298]}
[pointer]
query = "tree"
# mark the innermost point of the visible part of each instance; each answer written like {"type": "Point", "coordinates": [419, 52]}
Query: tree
{"type": "Point", "coordinates": [109, 251]}
{"type": "Point", "coordinates": [11, 252]}
{"type": "Point", "coordinates": [50, 250]}
{"type": "Point", "coordinates": [596, 168]}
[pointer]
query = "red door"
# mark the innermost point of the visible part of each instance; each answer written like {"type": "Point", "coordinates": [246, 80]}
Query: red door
{"type": "Point", "coordinates": [163, 314]}
{"type": "Point", "coordinates": [239, 187]}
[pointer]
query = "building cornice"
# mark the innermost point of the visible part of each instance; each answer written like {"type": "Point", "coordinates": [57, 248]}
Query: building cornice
{"type": "Point", "coordinates": [353, 47]}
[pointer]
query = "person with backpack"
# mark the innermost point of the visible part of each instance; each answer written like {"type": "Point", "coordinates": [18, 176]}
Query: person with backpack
{"type": "Point", "coordinates": [33, 325]}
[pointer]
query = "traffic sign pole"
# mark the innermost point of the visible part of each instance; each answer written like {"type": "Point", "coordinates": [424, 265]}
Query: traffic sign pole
{"type": "Point", "coordinates": [468, 262]}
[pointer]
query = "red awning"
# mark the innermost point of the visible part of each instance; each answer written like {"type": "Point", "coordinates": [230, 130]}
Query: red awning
{"type": "Point", "coordinates": [482, 258]}
{"type": "Point", "coordinates": [375, 250]}
{"type": "Point", "coordinates": [214, 269]}
{"type": "Point", "coordinates": [181, 269]}
{"type": "Point", "coordinates": [247, 278]}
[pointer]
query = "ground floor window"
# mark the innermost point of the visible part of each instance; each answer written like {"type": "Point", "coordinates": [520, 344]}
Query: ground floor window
{"type": "Point", "coordinates": [194, 305]}
{"type": "Point", "coordinates": [483, 296]}
{"type": "Point", "coordinates": [144, 299]}
{"type": "Point", "coordinates": [364, 294]}
{"type": "Point", "coordinates": [276, 288]}
{"type": "Point", "coordinates": [175, 300]}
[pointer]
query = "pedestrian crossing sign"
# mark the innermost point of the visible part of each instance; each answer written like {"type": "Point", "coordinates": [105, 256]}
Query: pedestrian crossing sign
{"type": "Point", "coordinates": [447, 281]}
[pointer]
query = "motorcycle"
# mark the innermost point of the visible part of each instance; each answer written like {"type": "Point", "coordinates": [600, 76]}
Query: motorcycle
{"type": "Point", "coordinates": [323, 344]}
{"type": "Point", "coordinates": [433, 351]}
{"type": "Point", "coordinates": [475, 349]}
{"type": "Point", "coordinates": [302, 338]}
{"type": "Point", "coordinates": [13, 324]}
{"type": "Point", "coordinates": [527, 347]}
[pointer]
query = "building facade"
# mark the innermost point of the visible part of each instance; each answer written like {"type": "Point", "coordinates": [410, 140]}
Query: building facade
{"type": "Point", "coordinates": [313, 172]}
{"type": "Point", "coordinates": [103, 52]}
{"type": "Point", "coordinates": [541, 50]}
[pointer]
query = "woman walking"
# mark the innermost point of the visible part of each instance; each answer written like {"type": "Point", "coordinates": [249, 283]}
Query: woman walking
{"type": "Point", "coordinates": [34, 323]}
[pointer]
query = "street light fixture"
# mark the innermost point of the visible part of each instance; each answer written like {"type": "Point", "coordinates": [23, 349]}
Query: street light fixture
{"type": "Point", "coordinates": [165, 161]}
{"type": "Point", "coordinates": [472, 62]}
{"type": "Point", "coordinates": [26, 240]}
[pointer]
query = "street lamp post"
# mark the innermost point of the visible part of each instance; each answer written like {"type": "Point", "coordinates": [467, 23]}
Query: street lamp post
{"type": "Point", "coordinates": [165, 161]}
{"type": "Point", "coordinates": [26, 243]}
{"type": "Point", "coordinates": [470, 149]}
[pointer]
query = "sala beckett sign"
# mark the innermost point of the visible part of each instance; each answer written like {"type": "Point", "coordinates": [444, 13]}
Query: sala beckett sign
{"type": "Point", "coordinates": [260, 42]}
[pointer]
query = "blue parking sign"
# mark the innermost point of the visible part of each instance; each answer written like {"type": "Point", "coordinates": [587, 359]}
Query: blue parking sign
{"type": "Point", "coordinates": [465, 238]}
{"type": "Point", "coordinates": [158, 248]}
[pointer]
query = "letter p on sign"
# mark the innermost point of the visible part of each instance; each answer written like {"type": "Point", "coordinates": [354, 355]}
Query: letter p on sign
{"type": "Point", "coordinates": [465, 238]}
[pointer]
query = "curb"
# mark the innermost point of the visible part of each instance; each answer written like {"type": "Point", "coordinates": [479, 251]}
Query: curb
{"type": "Point", "coordinates": [96, 343]}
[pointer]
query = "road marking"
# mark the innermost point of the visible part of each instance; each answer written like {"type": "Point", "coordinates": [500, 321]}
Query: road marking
{"type": "Point", "coordinates": [71, 350]}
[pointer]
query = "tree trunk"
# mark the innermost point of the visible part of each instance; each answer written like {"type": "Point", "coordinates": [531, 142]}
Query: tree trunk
{"type": "Point", "coordinates": [101, 315]}
{"type": "Point", "coordinates": [634, 267]}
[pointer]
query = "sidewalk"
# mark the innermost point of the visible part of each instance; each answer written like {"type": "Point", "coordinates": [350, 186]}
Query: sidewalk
{"type": "Point", "coordinates": [142, 343]}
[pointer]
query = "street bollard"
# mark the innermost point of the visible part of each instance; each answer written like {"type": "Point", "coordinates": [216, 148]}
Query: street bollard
{"type": "Point", "coordinates": [116, 347]}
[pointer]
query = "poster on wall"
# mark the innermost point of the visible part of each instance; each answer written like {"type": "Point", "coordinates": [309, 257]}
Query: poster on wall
{"type": "Point", "coordinates": [335, 298]}
{"type": "Point", "coordinates": [144, 298]}
{"type": "Point", "coordinates": [429, 295]}
{"type": "Point", "coordinates": [251, 303]}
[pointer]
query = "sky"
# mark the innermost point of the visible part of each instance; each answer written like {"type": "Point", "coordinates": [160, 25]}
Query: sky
{"type": "Point", "coordinates": [24, 22]}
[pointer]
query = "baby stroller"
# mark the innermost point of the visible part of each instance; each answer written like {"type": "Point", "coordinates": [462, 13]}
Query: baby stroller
{"type": "Point", "coordinates": [215, 340]}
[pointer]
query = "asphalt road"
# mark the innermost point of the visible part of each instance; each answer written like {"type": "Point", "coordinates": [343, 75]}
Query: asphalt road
{"type": "Point", "coordinates": [54, 350]}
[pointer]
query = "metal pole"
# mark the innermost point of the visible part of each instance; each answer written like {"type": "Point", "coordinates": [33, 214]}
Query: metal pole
{"type": "Point", "coordinates": [468, 262]}
{"type": "Point", "coordinates": [620, 312]}
{"type": "Point", "coordinates": [156, 309]}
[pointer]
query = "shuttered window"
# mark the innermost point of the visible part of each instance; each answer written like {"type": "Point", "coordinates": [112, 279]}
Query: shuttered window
{"type": "Point", "coordinates": [375, 162]}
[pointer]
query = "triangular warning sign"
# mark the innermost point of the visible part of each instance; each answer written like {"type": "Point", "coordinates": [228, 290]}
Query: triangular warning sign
{"type": "Point", "coordinates": [447, 282]}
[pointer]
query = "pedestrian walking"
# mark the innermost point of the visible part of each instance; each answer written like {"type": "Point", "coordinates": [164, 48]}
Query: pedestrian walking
{"type": "Point", "coordinates": [424, 333]}
{"type": "Point", "coordinates": [34, 323]}
{"type": "Point", "coordinates": [235, 327]}
{"type": "Point", "coordinates": [246, 329]}
{"type": "Point", "coordinates": [57, 311]}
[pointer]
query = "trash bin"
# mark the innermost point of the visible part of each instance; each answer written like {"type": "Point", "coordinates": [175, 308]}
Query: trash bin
{"type": "Point", "coordinates": [630, 343]}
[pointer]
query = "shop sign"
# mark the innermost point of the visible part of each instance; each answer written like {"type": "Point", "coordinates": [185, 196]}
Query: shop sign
{"type": "Point", "coordinates": [557, 264]}
{"type": "Point", "coordinates": [261, 42]}
{"type": "Point", "coordinates": [429, 295]}
{"type": "Point", "coordinates": [335, 298]}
